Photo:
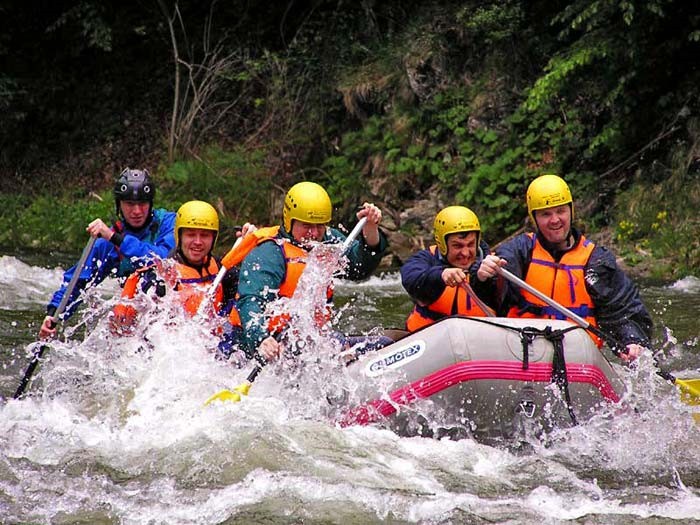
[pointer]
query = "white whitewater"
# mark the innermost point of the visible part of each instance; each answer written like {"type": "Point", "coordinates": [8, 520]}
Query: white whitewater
{"type": "Point", "coordinates": [115, 431]}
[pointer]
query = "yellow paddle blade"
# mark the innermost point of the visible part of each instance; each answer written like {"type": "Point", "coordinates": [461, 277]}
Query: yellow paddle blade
{"type": "Point", "coordinates": [690, 391]}
{"type": "Point", "coordinates": [690, 394]}
{"type": "Point", "coordinates": [223, 396]}
{"type": "Point", "coordinates": [234, 396]}
{"type": "Point", "coordinates": [243, 389]}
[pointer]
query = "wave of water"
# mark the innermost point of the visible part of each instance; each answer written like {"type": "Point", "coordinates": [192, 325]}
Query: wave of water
{"type": "Point", "coordinates": [115, 431]}
{"type": "Point", "coordinates": [24, 286]}
{"type": "Point", "coordinates": [689, 284]}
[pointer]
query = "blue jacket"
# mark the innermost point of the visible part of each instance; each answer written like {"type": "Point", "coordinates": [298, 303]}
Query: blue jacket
{"type": "Point", "coordinates": [264, 269]}
{"type": "Point", "coordinates": [421, 275]}
{"type": "Point", "coordinates": [137, 249]}
{"type": "Point", "coordinates": [618, 307]}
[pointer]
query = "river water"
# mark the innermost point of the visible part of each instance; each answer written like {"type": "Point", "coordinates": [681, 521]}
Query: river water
{"type": "Point", "coordinates": [115, 431]}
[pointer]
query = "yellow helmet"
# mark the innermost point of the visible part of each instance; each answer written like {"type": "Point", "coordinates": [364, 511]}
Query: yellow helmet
{"type": "Point", "coordinates": [454, 219]}
{"type": "Point", "coordinates": [548, 191]}
{"type": "Point", "coordinates": [197, 214]}
{"type": "Point", "coordinates": [306, 202]}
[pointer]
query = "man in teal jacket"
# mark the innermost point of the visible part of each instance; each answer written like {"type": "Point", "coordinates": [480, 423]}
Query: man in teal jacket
{"type": "Point", "coordinates": [273, 267]}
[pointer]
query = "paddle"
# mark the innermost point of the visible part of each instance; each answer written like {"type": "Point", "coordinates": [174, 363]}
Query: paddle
{"type": "Point", "coordinates": [235, 395]}
{"type": "Point", "coordinates": [481, 304]}
{"type": "Point", "coordinates": [61, 307]}
{"type": "Point", "coordinates": [690, 388]}
{"type": "Point", "coordinates": [211, 292]}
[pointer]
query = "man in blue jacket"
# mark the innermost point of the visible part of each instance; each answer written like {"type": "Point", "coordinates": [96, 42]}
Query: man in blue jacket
{"type": "Point", "coordinates": [438, 278]}
{"type": "Point", "coordinates": [560, 262]}
{"type": "Point", "coordinates": [141, 234]}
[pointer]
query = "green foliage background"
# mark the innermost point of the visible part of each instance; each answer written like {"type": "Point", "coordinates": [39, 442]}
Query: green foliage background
{"type": "Point", "coordinates": [388, 101]}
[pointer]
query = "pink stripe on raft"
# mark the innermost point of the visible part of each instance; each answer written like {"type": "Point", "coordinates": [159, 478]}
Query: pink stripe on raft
{"type": "Point", "coordinates": [375, 410]}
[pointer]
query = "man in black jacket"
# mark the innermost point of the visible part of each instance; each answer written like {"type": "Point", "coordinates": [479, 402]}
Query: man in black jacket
{"type": "Point", "coordinates": [561, 263]}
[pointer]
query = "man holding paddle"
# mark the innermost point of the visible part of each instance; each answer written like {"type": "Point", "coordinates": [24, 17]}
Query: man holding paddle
{"type": "Point", "coordinates": [141, 234]}
{"type": "Point", "coordinates": [273, 268]}
{"type": "Point", "coordinates": [190, 271]}
{"type": "Point", "coordinates": [573, 273]}
{"type": "Point", "coordinates": [438, 278]}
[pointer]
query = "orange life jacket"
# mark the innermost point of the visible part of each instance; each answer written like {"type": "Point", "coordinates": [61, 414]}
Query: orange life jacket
{"type": "Point", "coordinates": [236, 254]}
{"type": "Point", "coordinates": [295, 262]}
{"type": "Point", "coordinates": [563, 281]}
{"type": "Point", "coordinates": [453, 301]}
{"type": "Point", "coordinates": [192, 288]}
{"type": "Point", "coordinates": [124, 314]}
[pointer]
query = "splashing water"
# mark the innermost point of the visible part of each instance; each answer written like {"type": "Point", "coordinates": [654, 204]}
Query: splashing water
{"type": "Point", "coordinates": [311, 368]}
{"type": "Point", "coordinates": [114, 431]}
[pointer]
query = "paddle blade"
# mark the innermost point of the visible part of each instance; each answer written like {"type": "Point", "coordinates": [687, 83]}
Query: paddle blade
{"type": "Point", "coordinates": [243, 389]}
{"type": "Point", "coordinates": [233, 396]}
{"type": "Point", "coordinates": [224, 396]}
{"type": "Point", "coordinates": [690, 391]}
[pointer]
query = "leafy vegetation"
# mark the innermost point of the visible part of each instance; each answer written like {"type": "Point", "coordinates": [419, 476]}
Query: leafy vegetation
{"type": "Point", "coordinates": [467, 101]}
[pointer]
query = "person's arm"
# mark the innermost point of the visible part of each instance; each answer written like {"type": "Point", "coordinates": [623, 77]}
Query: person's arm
{"type": "Point", "coordinates": [421, 277]}
{"type": "Point", "coordinates": [514, 255]}
{"type": "Point", "coordinates": [367, 251]}
{"type": "Point", "coordinates": [619, 308]}
{"type": "Point", "coordinates": [131, 246]}
{"type": "Point", "coordinates": [370, 231]}
{"type": "Point", "coordinates": [486, 290]}
{"type": "Point", "coordinates": [363, 259]}
{"type": "Point", "coordinates": [261, 275]}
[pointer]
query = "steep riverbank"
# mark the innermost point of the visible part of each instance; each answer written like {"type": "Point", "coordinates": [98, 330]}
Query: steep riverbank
{"type": "Point", "coordinates": [411, 105]}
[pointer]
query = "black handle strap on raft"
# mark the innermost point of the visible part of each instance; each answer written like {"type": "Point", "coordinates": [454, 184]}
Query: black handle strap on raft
{"type": "Point", "coordinates": [556, 337]}
{"type": "Point", "coordinates": [527, 335]}
{"type": "Point", "coordinates": [559, 377]}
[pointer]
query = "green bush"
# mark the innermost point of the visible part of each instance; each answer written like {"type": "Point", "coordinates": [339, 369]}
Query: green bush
{"type": "Point", "coordinates": [50, 223]}
{"type": "Point", "coordinates": [657, 225]}
{"type": "Point", "coordinates": [235, 182]}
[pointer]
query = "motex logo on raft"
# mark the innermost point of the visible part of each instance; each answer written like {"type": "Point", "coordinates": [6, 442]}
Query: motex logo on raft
{"type": "Point", "coordinates": [395, 359]}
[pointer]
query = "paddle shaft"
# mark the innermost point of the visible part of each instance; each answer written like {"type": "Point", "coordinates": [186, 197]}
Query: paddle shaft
{"type": "Point", "coordinates": [614, 343]}
{"type": "Point", "coordinates": [481, 304]}
{"type": "Point", "coordinates": [254, 373]}
{"type": "Point", "coordinates": [354, 233]}
{"type": "Point", "coordinates": [560, 308]}
{"type": "Point", "coordinates": [59, 311]}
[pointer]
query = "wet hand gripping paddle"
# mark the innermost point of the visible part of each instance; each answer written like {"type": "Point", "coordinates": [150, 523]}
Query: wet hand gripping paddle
{"type": "Point", "coordinates": [36, 358]}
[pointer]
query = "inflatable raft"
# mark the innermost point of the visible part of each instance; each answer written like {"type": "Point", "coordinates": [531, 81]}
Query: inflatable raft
{"type": "Point", "coordinates": [492, 378]}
